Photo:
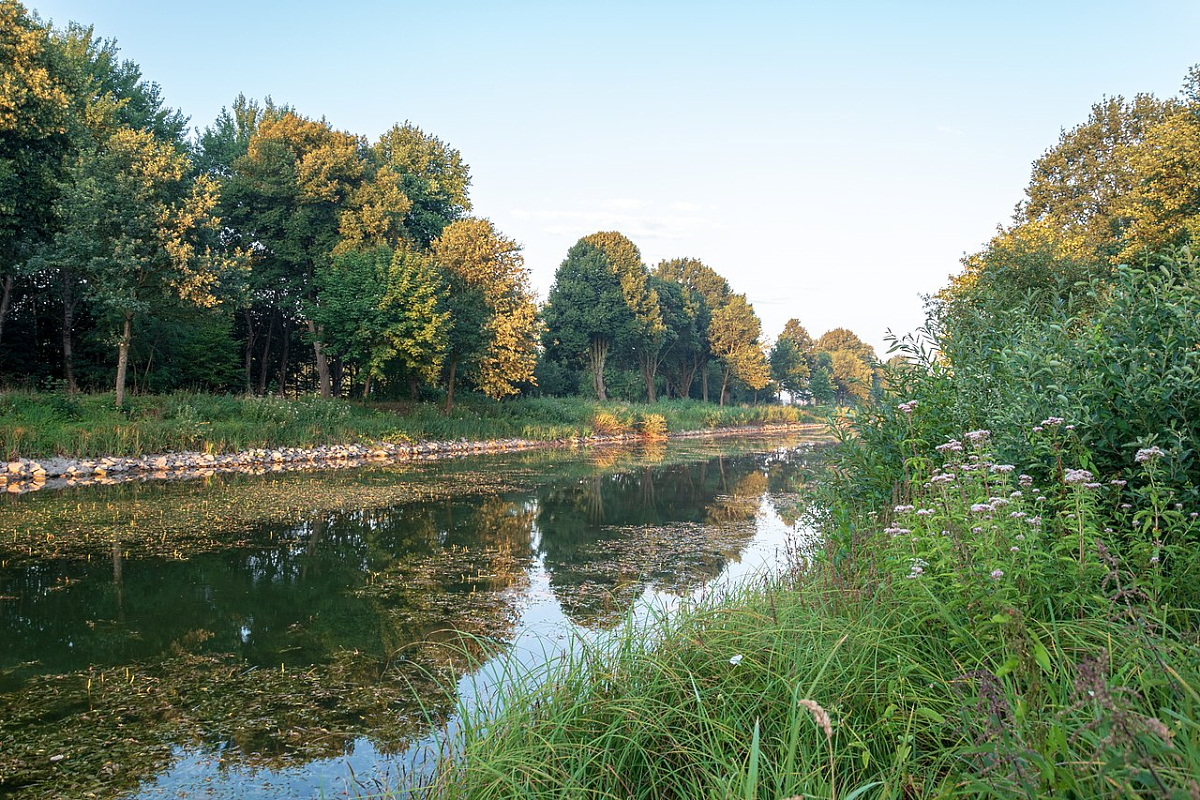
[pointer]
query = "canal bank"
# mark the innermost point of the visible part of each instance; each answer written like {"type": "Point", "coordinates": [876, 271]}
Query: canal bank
{"type": "Point", "coordinates": [26, 475]}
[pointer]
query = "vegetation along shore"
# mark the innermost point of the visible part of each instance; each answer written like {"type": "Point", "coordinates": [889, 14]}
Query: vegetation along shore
{"type": "Point", "coordinates": [1006, 600]}
{"type": "Point", "coordinates": [228, 440]}
{"type": "Point", "coordinates": [1003, 599]}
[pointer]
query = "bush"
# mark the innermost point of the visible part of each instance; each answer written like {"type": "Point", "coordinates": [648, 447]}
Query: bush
{"type": "Point", "coordinates": [652, 426]}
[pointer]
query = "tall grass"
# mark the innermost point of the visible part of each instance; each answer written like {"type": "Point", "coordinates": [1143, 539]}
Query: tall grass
{"type": "Point", "coordinates": [34, 425]}
{"type": "Point", "coordinates": [973, 640]}
{"type": "Point", "coordinates": [1007, 603]}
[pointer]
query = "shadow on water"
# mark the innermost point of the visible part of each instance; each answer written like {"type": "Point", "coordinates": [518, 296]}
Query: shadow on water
{"type": "Point", "coordinates": [291, 635]}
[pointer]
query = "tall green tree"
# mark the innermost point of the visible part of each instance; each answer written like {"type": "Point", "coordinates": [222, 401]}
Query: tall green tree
{"type": "Point", "coordinates": [493, 319]}
{"type": "Point", "coordinates": [705, 291]}
{"type": "Point", "coordinates": [137, 227]}
{"type": "Point", "coordinates": [586, 313]}
{"type": "Point", "coordinates": [735, 332]}
{"type": "Point", "coordinates": [416, 320]}
{"type": "Point", "coordinates": [351, 313]}
{"type": "Point", "coordinates": [820, 383]}
{"type": "Point", "coordinates": [684, 343]}
{"type": "Point", "coordinates": [257, 298]}
{"type": "Point", "coordinates": [286, 197]}
{"type": "Point", "coordinates": [791, 359]}
{"type": "Point", "coordinates": [789, 368]}
{"type": "Point", "coordinates": [647, 334]}
{"type": "Point", "coordinates": [109, 94]}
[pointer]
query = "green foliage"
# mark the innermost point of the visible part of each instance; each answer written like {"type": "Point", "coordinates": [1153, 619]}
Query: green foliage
{"type": "Point", "coordinates": [937, 661]}
{"type": "Point", "coordinates": [734, 334]}
{"type": "Point", "coordinates": [493, 327]}
{"type": "Point", "coordinates": [685, 342]}
{"type": "Point", "coordinates": [792, 360]}
{"type": "Point", "coordinates": [433, 177]}
{"type": "Point", "coordinates": [416, 321]}
{"type": "Point", "coordinates": [586, 314]}
{"type": "Point", "coordinates": [1140, 358]}
{"type": "Point", "coordinates": [39, 425]}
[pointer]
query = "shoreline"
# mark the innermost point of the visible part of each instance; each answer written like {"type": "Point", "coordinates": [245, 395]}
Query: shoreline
{"type": "Point", "coordinates": [28, 475]}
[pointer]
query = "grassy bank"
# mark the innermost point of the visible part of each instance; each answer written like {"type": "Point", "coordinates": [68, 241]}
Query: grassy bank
{"type": "Point", "coordinates": [38, 425]}
{"type": "Point", "coordinates": [1006, 603]}
{"type": "Point", "coordinates": [989, 635]}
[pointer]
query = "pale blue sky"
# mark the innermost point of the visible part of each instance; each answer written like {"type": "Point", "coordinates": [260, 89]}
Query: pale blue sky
{"type": "Point", "coordinates": [833, 160]}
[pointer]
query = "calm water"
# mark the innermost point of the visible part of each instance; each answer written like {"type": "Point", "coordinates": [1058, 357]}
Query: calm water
{"type": "Point", "coordinates": [325, 654]}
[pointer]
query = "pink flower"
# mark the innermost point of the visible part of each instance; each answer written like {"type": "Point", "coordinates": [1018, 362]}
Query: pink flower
{"type": "Point", "coordinates": [1148, 454]}
{"type": "Point", "coordinates": [1076, 476]}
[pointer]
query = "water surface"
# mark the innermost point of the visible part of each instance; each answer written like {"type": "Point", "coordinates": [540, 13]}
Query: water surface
{"type": "Point", "coordinates": [300, 635]}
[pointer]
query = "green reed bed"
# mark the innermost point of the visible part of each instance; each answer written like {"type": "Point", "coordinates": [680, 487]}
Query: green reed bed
{"type": "Point", "coordinates": [34, 424]}
{"type": "Point", "coordinates": [973, 640]}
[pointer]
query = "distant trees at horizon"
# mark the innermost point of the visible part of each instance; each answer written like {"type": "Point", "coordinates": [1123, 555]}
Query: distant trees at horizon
{"type": "Point", "coordinates": [271, 252]}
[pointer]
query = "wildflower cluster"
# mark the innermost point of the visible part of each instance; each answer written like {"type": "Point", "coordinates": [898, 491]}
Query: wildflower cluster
{"type": "Point", "coordinates": [979, 528]}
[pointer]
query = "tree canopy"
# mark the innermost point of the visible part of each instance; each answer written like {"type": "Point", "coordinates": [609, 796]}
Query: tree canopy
{"type": "Point", "coordinates": [273, 246]}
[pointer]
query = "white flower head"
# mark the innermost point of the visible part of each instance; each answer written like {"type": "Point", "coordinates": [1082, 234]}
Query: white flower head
{"type": "Point", "coordinates": [1077, 476]}
{"type": "Point", "coordinates": [1148, 454]}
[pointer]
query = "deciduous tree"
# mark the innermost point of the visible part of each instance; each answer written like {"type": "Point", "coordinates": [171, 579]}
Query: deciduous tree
{"type": "Point", "coordinates": [288, 194]}
{"type": "Point", "coordinates": [647, 335]}
{"type": "Point", "coordinates": [432, 176]}
{"type": "Point", "coordinates": [493, 321]}
{"type": "Point", "coordinates": [586, 312]}
{"type": "Point", "coordinates": [851, 364]}
{"type": "Point", "coordinates": [734, 334]}
{"type": "Point", "coordinates": [136, 226]}
{"type": "Point", "coordinates": [705, 291]}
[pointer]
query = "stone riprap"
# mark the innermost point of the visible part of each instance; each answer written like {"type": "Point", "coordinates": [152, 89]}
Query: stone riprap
{"type": "Point", "coordinates": [26, 475]}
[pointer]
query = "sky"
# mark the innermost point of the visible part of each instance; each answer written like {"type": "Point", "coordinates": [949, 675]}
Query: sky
{"type": "Point", "coordinates": [833, 160]}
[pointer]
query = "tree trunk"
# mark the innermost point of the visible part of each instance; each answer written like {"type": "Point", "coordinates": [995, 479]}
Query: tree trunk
{"type": "Point", "coordinates": [597, 355]}
{"type": "Point", "coordinates": [450, 385]}
{"type": "Point", "coordinates": [5, 303]}
{"type": "Point", "coordinates": [686, 377]}
{"type": "Point", "coordinates": [283, 358]}
{"type": "Point", "coordinates": [250, 337]}
{"type": "Point", "coordinates": [68, 328]}
{"type": "Point", "coordinates": [123, 357]}
{"type": "Point", "coordinates": [337, 376]}
{"type": "Point", "coordinates": [367, 386]}
{"type": "Point", "coordinates": [704, 382]}
{"type": "Point", "coordinates": [414, 388]}
{"type": "Point", "coordinates": [649, 370]}
{"type": "Point", "coordinates": [724, 384]}
{"type": "Point", "coordinates": [264, 360]}
{"type": "Point", "coordinates": [326, 386]}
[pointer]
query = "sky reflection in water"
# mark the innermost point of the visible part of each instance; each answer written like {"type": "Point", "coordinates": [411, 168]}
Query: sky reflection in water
{"type": "Point", "coordinates": [281, 667]}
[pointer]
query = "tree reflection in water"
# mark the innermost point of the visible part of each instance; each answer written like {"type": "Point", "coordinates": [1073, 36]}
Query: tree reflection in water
{"type": "Point", "coordinates": [301, 642]}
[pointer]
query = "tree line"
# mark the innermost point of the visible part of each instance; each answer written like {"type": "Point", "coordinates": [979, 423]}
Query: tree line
{"type": "Point", "coordinates": [680, 330]}
{"type": "Point", "coordinates": [1118, 186]}
{"type": "Point", "coordinates": [272, 252]}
